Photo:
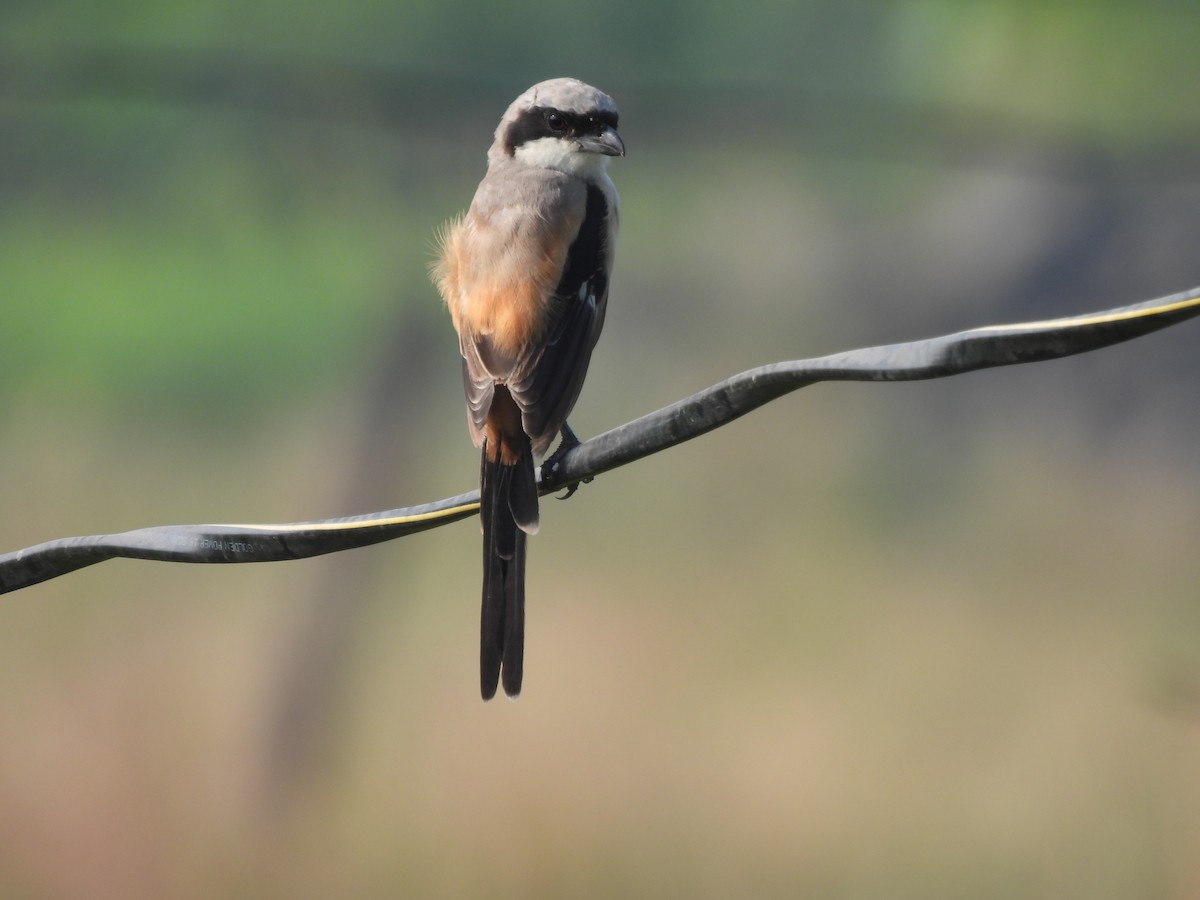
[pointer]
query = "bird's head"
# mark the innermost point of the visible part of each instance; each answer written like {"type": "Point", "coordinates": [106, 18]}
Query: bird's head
{"type": "Point", "coordinates": [561, 124]}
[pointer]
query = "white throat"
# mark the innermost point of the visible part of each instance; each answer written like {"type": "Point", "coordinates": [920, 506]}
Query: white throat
{"type": "Point", "coordinates": [563, 156]}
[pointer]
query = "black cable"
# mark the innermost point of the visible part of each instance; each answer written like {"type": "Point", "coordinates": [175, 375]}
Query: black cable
{"type": "Point", "coordinates": [966, 351]}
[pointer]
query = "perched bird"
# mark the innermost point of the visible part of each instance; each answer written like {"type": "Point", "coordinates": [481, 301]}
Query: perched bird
{"type": "Point", "coordinates": [525, 276]}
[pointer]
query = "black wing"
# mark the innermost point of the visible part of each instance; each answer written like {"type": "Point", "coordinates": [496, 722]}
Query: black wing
{"type": "Point", "coordinates": [547, 384]}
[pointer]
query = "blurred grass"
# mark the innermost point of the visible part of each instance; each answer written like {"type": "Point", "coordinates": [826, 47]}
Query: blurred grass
{"type": "Point", "coordinates": [933, 640]}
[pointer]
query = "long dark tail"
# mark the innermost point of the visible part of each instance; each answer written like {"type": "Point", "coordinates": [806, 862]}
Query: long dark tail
{"type": "Point", "coordinates": [508, 507]}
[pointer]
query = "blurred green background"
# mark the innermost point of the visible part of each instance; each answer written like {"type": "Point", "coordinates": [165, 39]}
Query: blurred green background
{"type": "Point", "coordinates": [927, 640]}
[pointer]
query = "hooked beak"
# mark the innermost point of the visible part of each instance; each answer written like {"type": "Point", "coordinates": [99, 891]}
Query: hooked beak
{"type": "Point", "coordinates": [607, 142]}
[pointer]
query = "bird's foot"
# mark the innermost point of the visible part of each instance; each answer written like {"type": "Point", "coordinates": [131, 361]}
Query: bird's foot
{"type": "Point", "coordinates": [568, 443]}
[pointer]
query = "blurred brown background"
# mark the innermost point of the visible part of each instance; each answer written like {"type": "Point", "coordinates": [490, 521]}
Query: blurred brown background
{"type": "Point", "coordinates": [926, 640]}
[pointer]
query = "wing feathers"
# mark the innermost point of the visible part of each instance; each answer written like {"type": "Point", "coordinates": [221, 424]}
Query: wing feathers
{"type": "Point", "coordinates": [541, 348]}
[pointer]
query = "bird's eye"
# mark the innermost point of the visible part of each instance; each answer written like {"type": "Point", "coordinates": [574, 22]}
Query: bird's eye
{"type": "Point", "coordinates": [557, 122]}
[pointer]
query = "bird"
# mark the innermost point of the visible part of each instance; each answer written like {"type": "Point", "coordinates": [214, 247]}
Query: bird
{"type": "Point", "coordinates": [525, 274]}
